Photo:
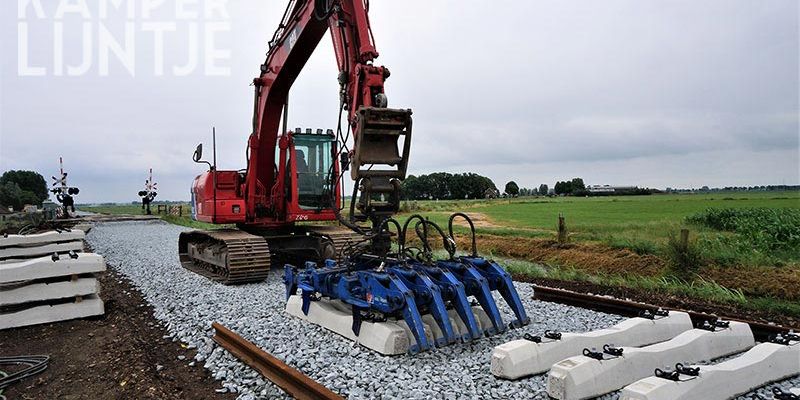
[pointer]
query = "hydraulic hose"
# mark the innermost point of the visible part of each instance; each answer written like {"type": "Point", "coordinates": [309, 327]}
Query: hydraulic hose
{"type": "Point", "coordinates": [471, 227]}
{"type": "Point", "coordinates": [447, 242]}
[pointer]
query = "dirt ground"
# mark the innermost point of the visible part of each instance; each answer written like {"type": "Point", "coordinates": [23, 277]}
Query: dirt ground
{"type": "Point", "coordinates": [481, 220]}
{"type": "Point", "coordinates": [121, 355]}
{"type": "Point", "coordinates": [587, 256]}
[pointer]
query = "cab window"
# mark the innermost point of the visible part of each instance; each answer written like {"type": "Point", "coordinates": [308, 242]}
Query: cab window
{"type": "Point", "coordinates": [313, 158]}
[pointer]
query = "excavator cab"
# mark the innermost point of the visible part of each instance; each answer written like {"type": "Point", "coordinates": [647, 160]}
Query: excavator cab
{"type": "Point", "coordinates": [308, 168]}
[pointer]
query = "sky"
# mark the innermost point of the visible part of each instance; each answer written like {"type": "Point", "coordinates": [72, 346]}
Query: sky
{"type": "Point", "coordinates": [677, 93]}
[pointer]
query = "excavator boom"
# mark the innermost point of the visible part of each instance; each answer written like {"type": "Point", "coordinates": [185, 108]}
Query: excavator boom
{"type": "Point", "coordinates": [296, 176]}
{"type": "Point", "coordinates": [378, 157]}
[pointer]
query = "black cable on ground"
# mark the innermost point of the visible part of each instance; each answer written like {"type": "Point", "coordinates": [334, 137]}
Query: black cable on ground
{"type": "Point", "coordinates": [36, 364]}
{"type": "Point", "coordinates": [2, 375]}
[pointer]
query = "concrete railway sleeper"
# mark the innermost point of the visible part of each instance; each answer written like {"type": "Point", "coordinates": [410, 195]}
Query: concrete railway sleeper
{"type": "Point", "coordinates": [597, 372]}
{"type": "Point", "coordinates": [535, 354]}
{"type": "Point", "coordinates": [764, 363]}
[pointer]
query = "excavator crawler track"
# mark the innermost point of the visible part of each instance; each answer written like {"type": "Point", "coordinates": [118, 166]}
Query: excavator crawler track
{"type": "Point", "coordinates": [231, 256]}
{"type": "Point", "coordinates": [342, 238]}
{"type": "Point", "coordinates": [227, 256]}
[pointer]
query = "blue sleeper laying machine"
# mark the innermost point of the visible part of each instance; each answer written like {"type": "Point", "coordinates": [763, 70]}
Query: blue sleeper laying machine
{"type": "Point", "coordinates": [411, 283]}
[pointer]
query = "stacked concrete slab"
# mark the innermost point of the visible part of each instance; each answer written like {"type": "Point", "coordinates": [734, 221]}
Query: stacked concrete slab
{"type": "Point", "coordinates": [15, 248]}
{"type": "Point", "coordinates": [46, 278]}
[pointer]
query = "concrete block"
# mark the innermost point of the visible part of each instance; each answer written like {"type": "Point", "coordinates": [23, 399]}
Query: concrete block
{"type": "Point", "coordinates": [15, 254]}
{"type": "Point", "coordinates": [45, 267]}
{"type": "Point", "coordinates": [460, 328]}
{"type": "Point", "coordinates": [430, 323]}
{"type": "Point", "coordinates": [481, 317]}
{"type": "Point", "coordinates": [384, 337]}
{"type": "Point", "coordinates": [410, 335]}
{"type": "Point", "coordinates": [41, 239]}
{"type": "Point", "coordinates": [49, 291]}
{"type": "Point", "coordinates": [582, 377]}
{"type": "Point", "coordinates": [765, 363]}
{"type": "Point", "coordinates": [520, 358]}
{"type": "Point", "coordinates": [389, 338]}
{"type": "Point", "coordinates": [458, 325]}
{"type": "Point", "coordinates": [89, 306]}
{"type": "Point", "coordinates": [82, 227]}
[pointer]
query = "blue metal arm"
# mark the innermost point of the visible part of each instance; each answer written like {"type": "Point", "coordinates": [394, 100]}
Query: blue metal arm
{"type": "Point", "coordinates": [500, 280]}
{"type": "Point", "coordinates": [476, 285]}
{"type": "Point", "coordinates": [428, 295]}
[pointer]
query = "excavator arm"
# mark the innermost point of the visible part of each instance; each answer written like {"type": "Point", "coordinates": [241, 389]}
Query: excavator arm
{"type": "Point", "coordinates": [381, 135]}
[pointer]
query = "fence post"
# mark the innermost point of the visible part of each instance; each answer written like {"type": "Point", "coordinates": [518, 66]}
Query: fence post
{"type": "Point", "coordinates": [684, 240]}
{"type": "Point", "coordinates": [562, 229]}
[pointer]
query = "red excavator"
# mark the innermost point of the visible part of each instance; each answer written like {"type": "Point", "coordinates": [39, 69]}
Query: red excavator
{"type": "Point", "coordinates": [293, 177]}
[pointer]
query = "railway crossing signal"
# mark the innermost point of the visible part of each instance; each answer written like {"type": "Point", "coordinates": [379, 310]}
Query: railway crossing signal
{"type": "Point", "coordinates": [64, 192]}
{"type": "Point", "coordinates": [149, 193]}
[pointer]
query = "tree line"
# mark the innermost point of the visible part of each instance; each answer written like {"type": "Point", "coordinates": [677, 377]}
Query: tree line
{"type": "Point", "coordinates": [513, 190]}
{"type": "Point", "coordinates": [19, 188]}
{"type": "Point", "coordinates": [571, 187]}
{"type": "Point", "coordinates": [447, 186]}
{"type": "Point", "coordinates": [468, 185]}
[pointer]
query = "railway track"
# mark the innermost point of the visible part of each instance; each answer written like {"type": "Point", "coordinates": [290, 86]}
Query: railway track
{"type": "Point", "coordinates": [292, 381]}
{"type": "Point", "coordinates": [761, 331]}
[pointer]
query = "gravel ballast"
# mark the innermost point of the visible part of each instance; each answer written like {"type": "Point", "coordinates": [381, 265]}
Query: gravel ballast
{"type": "Point", "coordinates": [146, 253]}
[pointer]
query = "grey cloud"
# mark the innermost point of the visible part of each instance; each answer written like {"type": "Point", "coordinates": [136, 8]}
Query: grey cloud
{"type": "Point", "coordinates": [596, 138]}
{"type": "Point", "coordinates": [619, 91]}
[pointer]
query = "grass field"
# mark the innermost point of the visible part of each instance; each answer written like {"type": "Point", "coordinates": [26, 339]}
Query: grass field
{"type": "Point", "coordinates": [630, 241]}
{"type": "Point", "coordinates": [131, 209]}
{"type": "Point", "coordinates": [643, 224]}
{"type": "Point", "coordinates": [118, 209]}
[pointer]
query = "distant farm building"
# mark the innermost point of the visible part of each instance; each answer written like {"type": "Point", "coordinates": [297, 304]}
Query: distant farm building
{"type": "Point", "coordinates": [491, 193]}
{"type": "Point", "coordinates": [4, 212]}
{"type": "Point", "coordinates": [608, 189]}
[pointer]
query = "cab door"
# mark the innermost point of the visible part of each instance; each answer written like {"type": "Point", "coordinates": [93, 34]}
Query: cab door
{"type": "Point", "coordinates": [312, 182]}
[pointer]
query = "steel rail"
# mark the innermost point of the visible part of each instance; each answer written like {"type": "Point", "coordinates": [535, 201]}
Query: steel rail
{"type": "Point", "coordinates": [292, 381]}
{"type": "Point", "coordinates": [761, 331]}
